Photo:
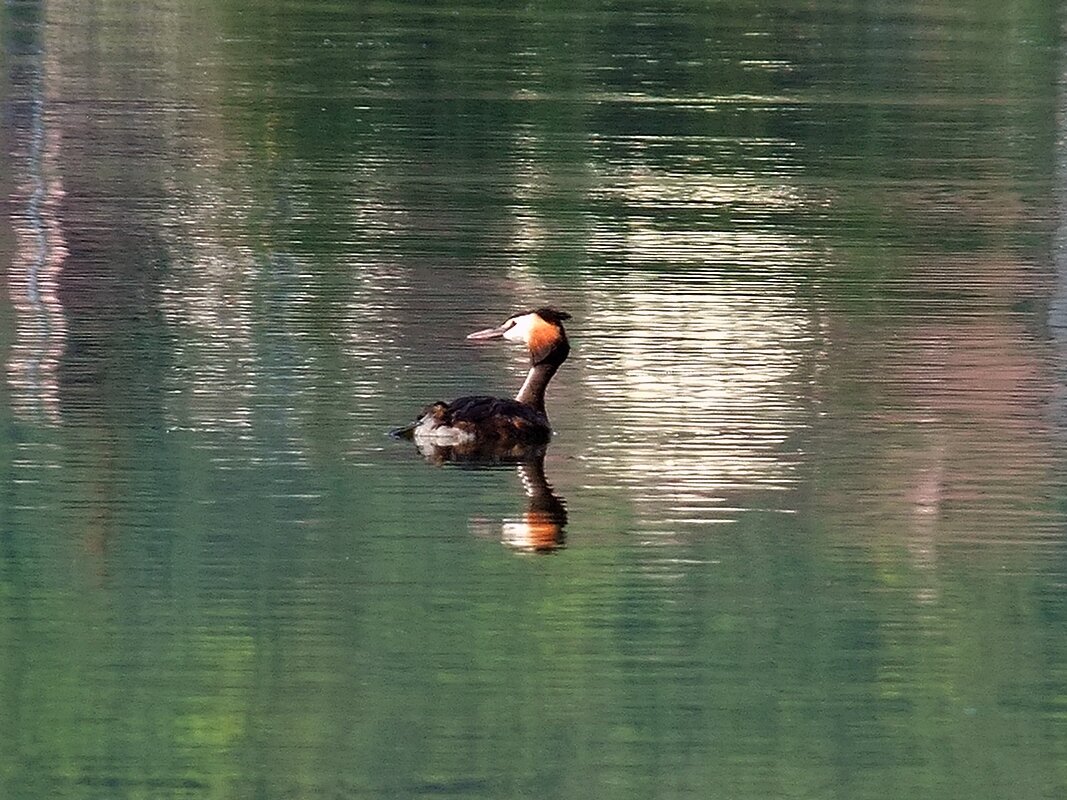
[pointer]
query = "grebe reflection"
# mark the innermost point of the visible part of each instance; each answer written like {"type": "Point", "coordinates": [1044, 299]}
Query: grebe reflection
{"type": "Point", "coordinates": [540, 528]}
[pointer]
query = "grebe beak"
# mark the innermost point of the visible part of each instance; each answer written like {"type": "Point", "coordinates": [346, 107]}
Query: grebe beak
{"type": "Point", "coordinates": [488, 333]}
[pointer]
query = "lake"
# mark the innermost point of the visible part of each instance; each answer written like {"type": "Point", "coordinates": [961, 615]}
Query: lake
{"type": "Point", "coordinates": [800, 532]}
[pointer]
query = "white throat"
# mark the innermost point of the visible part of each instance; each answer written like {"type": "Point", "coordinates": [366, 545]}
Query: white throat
{"type": "Point", "coordinates": [523, 391]}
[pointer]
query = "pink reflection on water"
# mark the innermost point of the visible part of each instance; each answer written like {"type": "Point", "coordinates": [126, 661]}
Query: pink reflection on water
{"type": "Point", "coordinates": [33, 277]}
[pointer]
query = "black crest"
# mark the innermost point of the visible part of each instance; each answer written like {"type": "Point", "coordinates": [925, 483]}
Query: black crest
{"type": "Point", "coordinates": [550, 314]}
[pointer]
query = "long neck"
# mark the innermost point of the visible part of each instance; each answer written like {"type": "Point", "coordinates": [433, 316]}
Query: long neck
{"type": "Point", "coordinates": [532, 392]}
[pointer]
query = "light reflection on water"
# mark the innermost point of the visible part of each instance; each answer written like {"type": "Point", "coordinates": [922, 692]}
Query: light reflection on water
{"type": "Point", "coordinates": [805, 502]}
{"type": "Point", "coordinates": [697, 388]}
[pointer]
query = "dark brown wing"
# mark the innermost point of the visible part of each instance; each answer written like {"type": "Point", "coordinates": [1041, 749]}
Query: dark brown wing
{"type": "Point", "coordinates": [496, 417]}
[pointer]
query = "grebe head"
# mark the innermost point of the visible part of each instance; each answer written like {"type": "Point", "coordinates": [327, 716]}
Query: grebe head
{"type": "Point", "coordinates": [541, 330]}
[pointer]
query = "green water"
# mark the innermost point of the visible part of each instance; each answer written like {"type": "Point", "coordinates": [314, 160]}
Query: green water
{"type": "Point", "coordinates": [810, 438]}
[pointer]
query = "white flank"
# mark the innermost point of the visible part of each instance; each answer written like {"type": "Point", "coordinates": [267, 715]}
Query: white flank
{"type": "Point", "coordinates": [440, 435]}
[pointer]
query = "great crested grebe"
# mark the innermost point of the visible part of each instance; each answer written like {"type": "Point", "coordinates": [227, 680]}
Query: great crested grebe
{"type": "Point", "coordinates": [499, 420]}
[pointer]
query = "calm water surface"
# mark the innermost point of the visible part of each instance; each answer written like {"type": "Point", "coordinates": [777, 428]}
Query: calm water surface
{"type": "Point", "coordinates": [810, 441]}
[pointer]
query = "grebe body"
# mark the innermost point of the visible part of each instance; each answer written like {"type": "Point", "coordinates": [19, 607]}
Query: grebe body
{"type": "Point", "coordinates": [483, 419]}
